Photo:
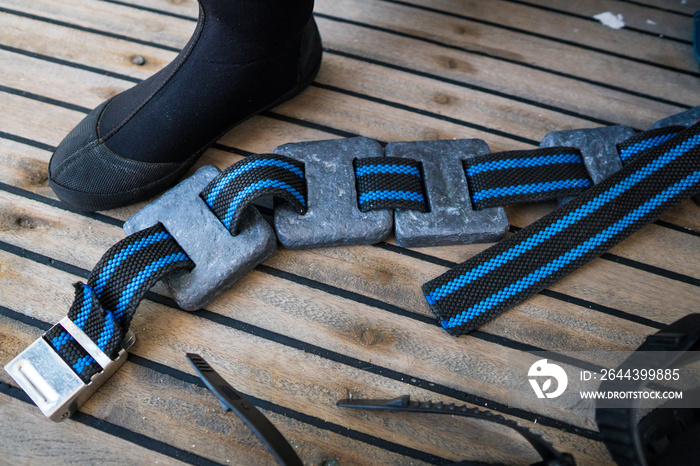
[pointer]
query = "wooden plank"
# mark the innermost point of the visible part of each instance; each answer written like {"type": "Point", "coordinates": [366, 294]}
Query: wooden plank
{"type": "Point", "coordinates": [635, 15]}
{"type": "Point", "coordinates": [68, 44]}
{"type": "Point", "coordinates": [164, 404]}
{"type": "Point", "coordinates": [24, 166]}
{"type": "Point", "coordinates": [60, 82]}
{"type": "Point", "coordinates": [33, 440]}
{"type": "Point", "coordinates": [528, 49]}
{"type": "Point", "coordinates": [284, 376]}
{"type": "Point", "coordinates": [310, 327]}
{"type": "Point", "coordinates": [521, 82]}
{"type": "Point", "coordinates": [490, 71]}
{"type": "Point", "coordinates": [188, 8]}
{"type": "Point", "coordinates": [686, 215]}
{"type": "Point", "coordinates": [683, 7]}
{"type": "Point", "coordinates": [115, 19]}
{"type": "Point", "coordinates": [561, 31]}
{"type": "Point", "coordinates": [381, 283]}
{"type": "Point", "coordinates": [44, 123]}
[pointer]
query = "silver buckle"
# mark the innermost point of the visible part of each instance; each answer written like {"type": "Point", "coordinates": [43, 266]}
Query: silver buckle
{"type": "Point", "coordinates": [52, 384]}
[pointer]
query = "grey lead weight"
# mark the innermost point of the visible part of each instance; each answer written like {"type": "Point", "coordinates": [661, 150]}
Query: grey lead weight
{"type": "Point", "coordinates": [333, 217]}
{"type": "Point", "coordinates": [452, 218]}
{"type": "Point", "coordinates": [598, 147]}
{"type": "Point", "coordinates": [220, 259]}
{"type": "Point", "coordinates": [687, 119]}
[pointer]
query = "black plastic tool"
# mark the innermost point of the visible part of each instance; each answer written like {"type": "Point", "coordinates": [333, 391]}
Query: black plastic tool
{"type": "Point", "coordinates": [550, 456]}
{"type": "Point", "coordinates": [231, 399]}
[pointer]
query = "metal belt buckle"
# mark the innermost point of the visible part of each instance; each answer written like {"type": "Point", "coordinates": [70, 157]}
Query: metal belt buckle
{"type": "Point", "coordinates": [333, 217]}
{"type": "Point", "coordinates": [220, 259]}
{"type": "Point", "coordinates": [52, 384]}
{"type": "Point", "coordinates": [452, 218]}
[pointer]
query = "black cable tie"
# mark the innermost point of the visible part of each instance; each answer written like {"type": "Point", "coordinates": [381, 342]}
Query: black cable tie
{"type": "Point", "coordinates": [233, 400]}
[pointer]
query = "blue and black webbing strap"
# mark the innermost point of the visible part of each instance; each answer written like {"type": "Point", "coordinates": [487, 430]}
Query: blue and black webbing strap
{"type": "Point", "coordinates": [640, 142]}
{"type": "Point", "coordinates": [103, 308]}
{"type": "Point", "coordinates": [477, 290]}
{"type": "Point", "coordinates": [535, 175]}
{"type": "Point", "coordinates": [390, 183]}
{"type": "Point", "coordinates": [256, 176]}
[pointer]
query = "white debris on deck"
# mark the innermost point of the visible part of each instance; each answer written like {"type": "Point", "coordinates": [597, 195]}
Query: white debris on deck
{"type": "Point", "coordinates": [611, 20]}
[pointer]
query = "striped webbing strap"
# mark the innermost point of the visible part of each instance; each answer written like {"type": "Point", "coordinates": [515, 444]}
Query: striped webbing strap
{"type": "Point", "coordinates": [638, 143]}
{"type": "Point", "coordinates": [390, 183]}
{"type": "Point", "coordinates": [254, 177]}
{"type": "Point", "coordinates": [489, 283]}
{"type": "Point", "coordinates": [103, 308]}
{"type": "Point", "coordinates": [496, 179]}
{"type": "Point", "coordinates": [535, 175]}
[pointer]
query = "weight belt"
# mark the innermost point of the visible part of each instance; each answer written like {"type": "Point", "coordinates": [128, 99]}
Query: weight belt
{"type": "Point", "coordinates": [489, 283]}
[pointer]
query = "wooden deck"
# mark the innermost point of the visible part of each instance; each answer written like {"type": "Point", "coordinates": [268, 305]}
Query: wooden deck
{"type": "Point", "coordinates": [308, 328]}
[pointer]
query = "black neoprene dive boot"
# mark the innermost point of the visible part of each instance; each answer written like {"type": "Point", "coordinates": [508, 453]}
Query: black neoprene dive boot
{"type": "Point", "coordinates": [244, 57]}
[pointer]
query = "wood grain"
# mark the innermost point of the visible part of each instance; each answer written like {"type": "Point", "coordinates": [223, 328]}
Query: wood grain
{"type": "Point", "coordinates": [308, 328]}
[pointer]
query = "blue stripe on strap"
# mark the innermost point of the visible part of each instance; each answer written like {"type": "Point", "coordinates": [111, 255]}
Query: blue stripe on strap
{"type": "Point", "coordinates": [570, 219]}
{"type": "Point", "coordinates": [62, 339]}
{"type": "Point", "coordinates": [118, 258]}
{"type": "Point", "coordinates": [85, 308]}
{"type": "Point", "coordinates": [531, 188]}
{"type": "Point", "coordinates": [247, 167]}
{"type": "Point", "coordinates": [142, 276]}
{"type": "Point", "coordinates": [403, 195]}
{"type": "Point", "coordinates": [641, 146]}
{"type": "Point", "coordinates": [573, 254]}
{"type": "Point", "coordinates": [82, 363]}
{"type": "Point", "coordinates": [107, 331]}
{"type": "Point", "coordinates": [58, 341]}
{"type": "Point", "coordinates": [384, 169]}
{"type": "Point", "coordinates": [523, 162]}
{"type": "Point", "coordinates": [262, 184]}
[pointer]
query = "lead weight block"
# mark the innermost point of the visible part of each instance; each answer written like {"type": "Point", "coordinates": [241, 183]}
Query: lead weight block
{"type": "Point", "coordinates": [220, 259]}
{"type": "Point", "coordinates": [333, 217]}
{"type": "Point", "coordinates": [452, 218]}
{"type": "Point", "coordinates": [598, 148]}
{"type": "Point", "coordinates": [687, 118]}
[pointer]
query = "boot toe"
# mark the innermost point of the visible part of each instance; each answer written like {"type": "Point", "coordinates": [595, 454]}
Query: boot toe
{"type": "Point", "coordinates": [87, 176]}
